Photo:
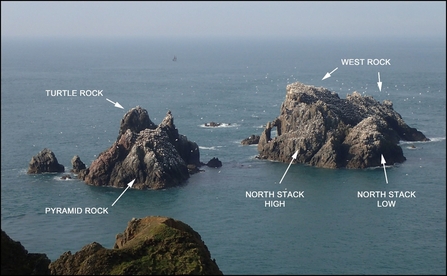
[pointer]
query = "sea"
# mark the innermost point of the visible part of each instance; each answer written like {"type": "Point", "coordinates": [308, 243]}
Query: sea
{"type": "Point", "coordinates": [389, 219]}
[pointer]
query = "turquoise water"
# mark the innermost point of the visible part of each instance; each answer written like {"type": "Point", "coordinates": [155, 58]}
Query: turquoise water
{"type": "Point", "coordinates": [242, 84]}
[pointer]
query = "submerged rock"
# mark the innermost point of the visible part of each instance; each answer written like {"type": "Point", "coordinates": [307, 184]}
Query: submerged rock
{"type": "Point", "coordinates": [331, 132]}
{"type": "Point", "coordinates": [157, 157]}
{"type": "Point", "coordinates": [148, 246]}
{"type": "Point", "coordinates": [44, 161]}
{"type": "Point", "coordinates": [17, 261]}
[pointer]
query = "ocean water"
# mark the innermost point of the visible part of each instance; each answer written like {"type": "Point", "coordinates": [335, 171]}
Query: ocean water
{"type": "Point", "coordinates": [326, 229]}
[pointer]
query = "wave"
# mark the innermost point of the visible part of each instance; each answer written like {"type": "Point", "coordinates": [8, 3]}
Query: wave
{"type": "Point", "coordinates": [253, 157]}
{"type": "Point", "coordinates": [434, 139]}
{"type": "Point", "coordinates": [221, 125]}
{"type": "Point", "coordinates": [22, 171]}
{"type": "Point", "coordinates": [14, 216]}
{"type": "Point", "coordinates": [381, 167]}
{"type": "Point", "coordinates": [70, 178]}
{"type": "Point", "coordinates": [210, 148]}
{"type": "Point", "coordinates": [239, 143]}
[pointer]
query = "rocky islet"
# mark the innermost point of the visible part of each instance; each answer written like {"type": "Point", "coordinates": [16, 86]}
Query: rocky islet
{"type": "Point", "coordinates": [329, 132]}
{"type": "Point", "coordinates": [156, 156]}
{"type": "Point", "coordinates": [323, 129]}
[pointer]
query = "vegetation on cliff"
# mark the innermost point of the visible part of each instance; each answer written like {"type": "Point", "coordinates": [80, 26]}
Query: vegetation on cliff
{"type": "Point", "coordinates": [149, 246]}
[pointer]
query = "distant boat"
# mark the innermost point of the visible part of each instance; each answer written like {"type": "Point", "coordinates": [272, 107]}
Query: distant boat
{"type": "Point", "coordinates": [174, 59]}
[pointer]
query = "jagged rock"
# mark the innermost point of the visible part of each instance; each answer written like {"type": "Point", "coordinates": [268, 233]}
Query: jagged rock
{"type": "Point", "coordinates": [44, 161]}
{"type": "Point", "coordinates": [251, 140]}
{"type": "Point", "coordinates": [148, 246]}
{"type": "Point", "coordinates": [214, 163]}
{"type": "Point", "coordinates": [17, 261]}
{"type": "Point", "coordinates": [331, 132]}
{"type": "Point", "coordinates": [188, 150]}
{"type": "Point", "coordinates": [156, 158]}
{"type": "Point", "coordinates": [77, 164]}
{"type": "Point", "coordinates": [136, 119]}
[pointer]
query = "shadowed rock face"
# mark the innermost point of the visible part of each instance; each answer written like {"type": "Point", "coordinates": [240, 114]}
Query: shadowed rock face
{"type": "Point", "coordinates": [331, 132]}
{"type": "Point", "coordinates": [44, 161]}
{"type": "Point", "coordinates": [148, 246]}
{"type": "Point", "coordinates": [77, 164]}
{"type": "Point", "coordinates": [157, 157]}
{"type": "Point", "coordinates": [17, 261]}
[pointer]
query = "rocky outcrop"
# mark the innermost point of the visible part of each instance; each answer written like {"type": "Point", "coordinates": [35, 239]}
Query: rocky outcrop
{"type": "Point", "coordinates": [136, 119]}
{"type": "Point", "coordinates": [212, 124]}
{"type": "Point", "coordinates": [214, 163]}
{"type": "Point", "coordinates": [77, 164]}
{"type": "Point", "coordinates": [331, 132]}
{"type": "Point", "coordinates": [148, 246]}
{"type": "Point", "coordinates": [44, 161]}
{"type": "Point", "coordinates": [66, 177]}
{"type": "Point", "coordinates": [17, 261]}
{"type": "Point", "coordinates": [157, 157]}
{"type": "Point", "coordinates": [251, 140]}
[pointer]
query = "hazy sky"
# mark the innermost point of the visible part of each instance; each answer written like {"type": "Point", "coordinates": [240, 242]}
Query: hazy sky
{"type": "Point", "coordinates": [287, 18]}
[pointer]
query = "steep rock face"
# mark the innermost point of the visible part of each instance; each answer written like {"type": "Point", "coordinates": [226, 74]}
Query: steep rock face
{"type": "Point", "coordinates": [44, 161]}
{"type": "Point", "coordinates": [331, 132]}
{"type": "Point", "coordinates": [17, 261]}
{"type": "Point", "coordinates": [148, 246]}
{"type": "Point", "coordinates": [136, 119]}
{"type": "Point", "coordinates": [156, 157]}
{"type": "Point", "coordinates": [188, 150]}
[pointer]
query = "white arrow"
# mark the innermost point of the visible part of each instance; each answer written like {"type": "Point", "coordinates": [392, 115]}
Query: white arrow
{"type": "Point", "coordinates": [382, 161]}
{"type": "Point", "coordinates": [293, 158]}
{"type": "Point", "coordinates": [379, 83]}
{"type": "Point", "coordinates": [328, 75]}
{"type": "Point", "coordinates": [116, 104]}
{"type": "Point", "coordinates": [129, 185]}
